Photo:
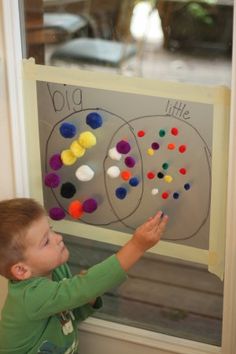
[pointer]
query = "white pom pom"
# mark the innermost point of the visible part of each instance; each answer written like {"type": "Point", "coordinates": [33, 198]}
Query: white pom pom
{"type": "Point", "coordinates": [155, 191]}
{"type": "Point", "coordinates": [114, 154]}
{"type": "Point", "coordinates": [84, 173]}
{"type": "Point", "coordinates": [113, 171]}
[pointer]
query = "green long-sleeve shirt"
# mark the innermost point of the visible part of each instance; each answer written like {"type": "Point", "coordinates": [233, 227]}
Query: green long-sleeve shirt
{"type": "Point", "coordinates": [41, 314]}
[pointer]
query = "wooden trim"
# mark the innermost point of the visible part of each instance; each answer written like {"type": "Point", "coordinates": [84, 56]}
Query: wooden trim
{"type": "Point", "coordinates": [146, 338]}
{"type": "Point", "coordinates": [12, 39]}
{"type": "Point", "coordinates": [229, 313]}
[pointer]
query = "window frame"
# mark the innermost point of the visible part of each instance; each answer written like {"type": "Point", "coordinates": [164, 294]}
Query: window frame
{"type": "Point", "coordinates": [95, 328]}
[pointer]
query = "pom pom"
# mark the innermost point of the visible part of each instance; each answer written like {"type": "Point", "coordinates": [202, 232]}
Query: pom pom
{"type": "Point", "coordinates": [187, 186]}
{"type": "Point", "coordinates": [176, 195]}
{"type": "Point", "coordinates": [171, 146]}
{"type": "Point", "coordinates": [165, 195]}
{"type": "Point", "coordinates": [114, 154]}
{"type": "Point", "coordinates": [52, 180]}
{"type": "Point", "coordinates": [165, 166]}
{"type": "Point", "coordinates": [68, 190]}
{"type": "Point", "coordinates": [90, 205]}
{"type": "Point", "coordinates": [113, 171]}
{"type": "Point", "coordinates": [160, 175]}
{"type": "Point", "coordinates": [121, 192]}
{"type": "Point", "coordinates": [68, 130]}
{"type": "Point", "coordinates": [174, 131]}
{"type": "Point", "coordinates": [57, 213]}
{"type": "Point", "coordinates": [168, 179]}
{"type": "Point", "coordinates": [55, 162]}
{"type": "Point", "coordinates": [123, 147]}
{"type": "Point", "coordinates": [77, 149]}
{"type": "Point", "coordinates": [155, 191]}
{"type": "Point", "coordinates": [68, 158]}
{"type": "Point", "coordinates": [162, 133]}
{"type": "Point", "coordinates": [125, 175]}
{"type": "Point", "coordinates": [182, 148]}
{"type": "Point", "coordinates": [84, 173]}
{"type": "Point", "coordinates": [75, 209]}
{"type": "Point", "coordinates": [182, 171]}
{"type": "Point", "coordinates": [130, 161]}
{"type": "Point", "coordinates": [150, 152]}
{"type": "Point", "coordinates": [141, 133]}
{"type": "Point", "coordinates": [94, 120]}
{"type": "Point", "coordinates": [155, 146]}
{"type": "Point", "coordinates": [134, 181]}
{"type": "Point", "coordinates": [150, 175]}
{"type": "Point", "coordinates": [87, 140]}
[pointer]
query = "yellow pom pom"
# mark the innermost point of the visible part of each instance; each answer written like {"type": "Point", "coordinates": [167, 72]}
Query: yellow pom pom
{"type": "Point", "coordinates": [68, 158]}
{"type": "Point", "coordinates": [77, 149]}
{"type": "Point", "coordinates": [87, 140]}
{"type": "Point", "coordinates": [168, 179]}
{"type": "Point", "coordinates": [150, 152]}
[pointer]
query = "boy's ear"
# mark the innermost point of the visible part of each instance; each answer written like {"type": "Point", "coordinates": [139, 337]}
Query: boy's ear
{"type": "Point", "coordinates": [20, 271]}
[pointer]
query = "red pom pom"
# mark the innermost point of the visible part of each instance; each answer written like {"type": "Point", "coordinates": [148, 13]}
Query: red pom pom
{"type": "Point", "coordinates": [165, 195]}
{"type": "Point", "coordinates": [182, 148]}
{"type": "Point", "coordinates": [182, 171]}
{"type": "Point", "coordinates": [174, 131]}
{"type": "Point", "coordinates": [141, 133]}
{"type": "Point", "coordinates": [150, 175]}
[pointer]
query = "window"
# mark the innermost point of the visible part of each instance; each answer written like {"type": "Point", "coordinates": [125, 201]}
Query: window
{"type": "Point", "coordinates": [185, 300]}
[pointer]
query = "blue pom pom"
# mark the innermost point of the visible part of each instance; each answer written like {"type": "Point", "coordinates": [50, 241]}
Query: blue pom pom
{"type": "Point", "coordinates": [121, 192]}
{"type": "Point", "coordinates": [68, 130]}
{"type": "Point", "coordinates": [94, 120]}
{"type": "Point", "coordinates": [187, 186]}
{"type": "Point", "coordinates": [134, 181]}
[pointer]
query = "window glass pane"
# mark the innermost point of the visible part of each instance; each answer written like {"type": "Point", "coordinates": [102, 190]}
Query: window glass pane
{"type": "Point", "coordinates": [181, 41]}
{"type": "Point", "coordinates": [168, 40]}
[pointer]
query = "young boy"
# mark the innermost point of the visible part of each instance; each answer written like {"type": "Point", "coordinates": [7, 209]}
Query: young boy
{"type": "Point", "coordinates": [44, 302]}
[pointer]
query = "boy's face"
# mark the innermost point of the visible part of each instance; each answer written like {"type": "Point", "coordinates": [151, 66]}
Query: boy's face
{"type": "Point", "coordinates": [45, 249]}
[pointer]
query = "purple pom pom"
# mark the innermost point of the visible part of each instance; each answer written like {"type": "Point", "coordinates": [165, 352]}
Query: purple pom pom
{"type": "Point", "coordinates": [52, 180]}
{"type": "Point", "coordinates": [55, 162]}
{"type": "Point", "coordinates": [130, 161]}
{"type": "Point", "coordinates": [155, 146]}
{"type": "Point", "coordinates": [57, 213]}
{"type": "Point", "coordinates": [123, 147]}
{"type": "Point", "coordinates": [90, 205]}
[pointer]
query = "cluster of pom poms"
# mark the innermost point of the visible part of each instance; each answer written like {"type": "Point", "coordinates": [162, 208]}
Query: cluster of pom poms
{"type": "Point", "coordinates": [123, 147]}
{"type": "Point", "coordinates": [77, 149]}
{"type": "Point", "coordinates": [76, 209]}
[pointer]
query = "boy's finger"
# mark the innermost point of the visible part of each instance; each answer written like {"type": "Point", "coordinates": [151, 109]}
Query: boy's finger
{"type": "Point", "coordinates": [163, 223]}
{"type": "Point", "coordinates": [156, 219]}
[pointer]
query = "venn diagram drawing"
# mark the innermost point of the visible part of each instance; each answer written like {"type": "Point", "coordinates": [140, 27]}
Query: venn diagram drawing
{"type": "Point", "coordinates": [107, 170]}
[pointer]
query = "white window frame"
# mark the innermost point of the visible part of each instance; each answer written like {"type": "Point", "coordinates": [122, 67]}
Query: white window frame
{"type": "Point", "coordinates": [113, 337]}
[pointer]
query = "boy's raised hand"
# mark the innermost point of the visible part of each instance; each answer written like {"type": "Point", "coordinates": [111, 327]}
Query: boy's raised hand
{"type": "Point", "coordinates": [148, 234]}
{"type": "Point", "coordinates": [145, 237]}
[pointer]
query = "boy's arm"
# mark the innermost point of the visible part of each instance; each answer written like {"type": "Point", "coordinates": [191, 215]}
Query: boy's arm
{"type": "Point", "coordinates": [145, 237]}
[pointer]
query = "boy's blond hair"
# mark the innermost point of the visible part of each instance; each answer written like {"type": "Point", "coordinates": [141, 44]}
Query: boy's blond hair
{"type": "Point", "coordinates": [16, 216]}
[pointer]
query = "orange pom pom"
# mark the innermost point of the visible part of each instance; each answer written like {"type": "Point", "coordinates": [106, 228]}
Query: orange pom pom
{"type": "Point", "coordinates": [75, 209]}
{"type": "Point", "coordinates": [125, 175]}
